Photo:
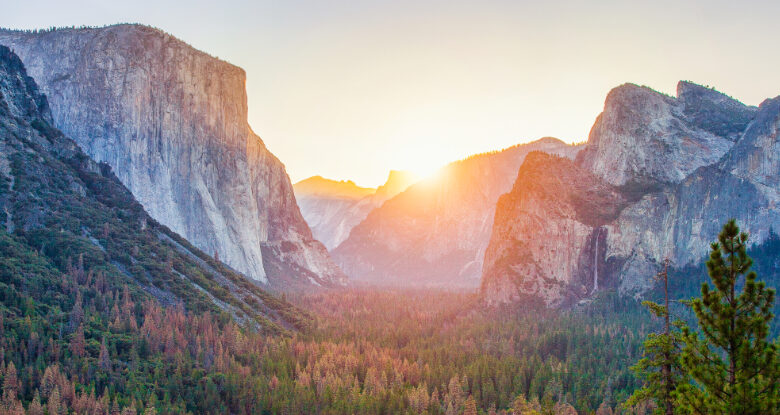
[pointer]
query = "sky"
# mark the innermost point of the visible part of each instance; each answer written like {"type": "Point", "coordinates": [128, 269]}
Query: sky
{"type": "Point", "coordinates": [352, 89]}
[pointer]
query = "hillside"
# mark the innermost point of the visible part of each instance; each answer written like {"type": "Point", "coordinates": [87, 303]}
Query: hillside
{"type": "Point", "coordinates": [83, 267]}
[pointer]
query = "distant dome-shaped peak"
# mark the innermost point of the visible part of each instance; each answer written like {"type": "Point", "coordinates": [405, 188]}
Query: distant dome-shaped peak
{"type": "Point", "coordinates": [550, 140]}
{"type": "Point", "coordinates": [320, 186]}
{"type": "Point", "coordinates": [397, 182]}
{"type": "Point", "coordinates": [632, 95]}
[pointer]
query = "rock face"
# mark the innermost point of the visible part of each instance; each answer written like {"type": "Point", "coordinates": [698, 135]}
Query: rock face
{"type": "Point", "coordinates": [332, 208]}
{"type": "Point", "coordinates": [646, 137]}
{"type": "Point", "coordinates": [77, 225]}
{"type": "Point", "coordinates": [436, 231]}
{"type": "Point", "coordinates": [171, 122]}
{"type": "Point", "coordinates": [548, 236]}
{"type": "Point", "coordinates": [672, 170]}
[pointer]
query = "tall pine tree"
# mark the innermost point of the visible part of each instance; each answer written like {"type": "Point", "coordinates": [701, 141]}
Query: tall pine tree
{"type": "Point", "coordinates": [734, 368]}
{"type": "Point", "coordinates": [660, 366]}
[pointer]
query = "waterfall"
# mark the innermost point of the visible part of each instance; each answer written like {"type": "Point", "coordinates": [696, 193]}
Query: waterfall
{"type": "Point", "coordinates": [596, 263]}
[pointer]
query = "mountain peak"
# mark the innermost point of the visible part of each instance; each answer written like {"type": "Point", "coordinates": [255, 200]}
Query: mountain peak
{"type": "Point", "coordinates": [688, 88]}
{"type": "Point", "coordinates": [550, 140]}
{"type": "Point", "coordinates": [645, 136]}
{"type": "Point", "coordinates": [397, 182]}
{"type": "Point", "coordinates": [320, 186]}
{"type": "Point", "coordinates": [634, 97]}
{"type": "Point", "coordinates": [713, 111]}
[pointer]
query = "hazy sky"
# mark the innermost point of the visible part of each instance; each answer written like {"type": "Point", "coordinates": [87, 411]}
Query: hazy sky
{"type": "Point", "coordinates": [351, 89]}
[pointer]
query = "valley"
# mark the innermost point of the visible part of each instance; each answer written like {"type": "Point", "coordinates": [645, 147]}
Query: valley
{"type": "Point", "coordinates": [156, 257]}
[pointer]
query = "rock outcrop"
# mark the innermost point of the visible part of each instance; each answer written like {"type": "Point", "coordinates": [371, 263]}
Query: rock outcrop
{"type": "Point", "coordinates": [676, 170]}
{"type": "Point", "coordinates": [71, 226]}
{"type": "Point", "coordinates": [436, 231]}
{"type": "Point", "coordinates": [332, 208]}
{"type": "Point", "coordinates": [645, 137]}
{"type": "Point", "coordinates": [548, 238]}
{"type": "Point", "coordinates": [172, 123]}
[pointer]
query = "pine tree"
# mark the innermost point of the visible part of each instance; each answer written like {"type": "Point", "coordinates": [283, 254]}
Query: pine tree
{"type": "Point", "coordinates": [660, 367]}
{"type": "Point", "coordinates": [77, 342]}
{"type": "Point", "coordinates": [103, 359]}
{"type": "Point", "coordinates": [604, 409]}
{"type": "Point", "coordinates": [53, 406]}
{"type": "Point", "coordinates": [735, 369]}
{"type": "Point", "coordinates": [35, 406]}
{"type": "Point", "coordinates": [470, 406]}
{"type": "Point", "coordinates": [523, 407]}
{"type": "Point", "coordinates": [10, 381]}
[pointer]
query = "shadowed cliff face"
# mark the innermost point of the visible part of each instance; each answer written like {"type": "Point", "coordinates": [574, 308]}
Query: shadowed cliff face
{"type": "Point", "coordinates": [435, 233]}
{"type": "Point", "coordinates": [171, 121]}
{"type": "Point", "coordinates": [679, 168]}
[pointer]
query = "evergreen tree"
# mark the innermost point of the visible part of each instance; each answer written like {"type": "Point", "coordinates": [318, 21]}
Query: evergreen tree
{"type": "Point", "coordinates": [660, 367]}
{"type": "Point", "coordinates": [470, 407]}
{"type": "Point", "coordinates": [735, 369]}
{"type": "Point", "coordinates": [35, 406]}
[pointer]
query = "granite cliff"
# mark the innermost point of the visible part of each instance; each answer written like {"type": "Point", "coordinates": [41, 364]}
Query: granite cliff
{"type": "Point", "coordinates": [70, 227]}
{"type": "Point", "coordinates": [435, 232]}
{"type": "Point", "coordinates": [171, 121]}
{"type": "Point", "coordinates": [547, 238]}
{"type": "Point", "coordinates": [668, 173]}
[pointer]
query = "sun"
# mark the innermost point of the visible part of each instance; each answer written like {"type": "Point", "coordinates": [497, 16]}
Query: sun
{"type": "Point", "coordinates": [423, 172]}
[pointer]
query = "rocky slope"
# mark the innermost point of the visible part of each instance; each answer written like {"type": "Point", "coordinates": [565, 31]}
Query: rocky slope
{"type": "Point", "coordinates": [70, 225]}
{"type": "Point", "coordinates": [679, 167]}
{"type": "Point", "coordinates": [436, 232]}
{"type": "Point", "coordinates": [332, 208]}
{"type": "Point", "coordinates": [172, 123]}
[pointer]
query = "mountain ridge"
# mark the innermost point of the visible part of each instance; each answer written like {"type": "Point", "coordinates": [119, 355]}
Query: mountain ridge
{"type": "Point", "coordinates": [680, 182]}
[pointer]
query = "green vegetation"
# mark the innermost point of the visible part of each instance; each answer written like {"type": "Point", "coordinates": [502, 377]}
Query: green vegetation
{"type": "Point", "coordinates": [78, 334]}
{"type": "Point", "coordinates": [728, 366]}
{"type": "Point", "coordinates": [660, 367]}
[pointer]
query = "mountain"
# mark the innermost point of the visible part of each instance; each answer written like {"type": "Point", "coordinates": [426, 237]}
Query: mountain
{"type": "Point", "coordinates": [436, 231]}
{"type": "Point", "coordinates": [70, 226]}
{"type": "Point", "coordinates": [332, 208]}
{"type": "Point", "coordinates": [666, 173]}
{"type": "Point", "coordinates": [397, 181]}
{"type": "Point", "coordinates": [171, 121]}
{"type": "Point", "coordinates": [320, 186]}
{"type": "Point", "coordinates": [644, 137]}
{"type": "Point", "coordinates": [543, 239]}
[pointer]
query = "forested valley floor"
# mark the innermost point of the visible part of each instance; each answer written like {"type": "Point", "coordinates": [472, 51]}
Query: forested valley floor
{"type": "Point", "coordinates": [72, 341]}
